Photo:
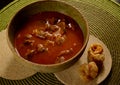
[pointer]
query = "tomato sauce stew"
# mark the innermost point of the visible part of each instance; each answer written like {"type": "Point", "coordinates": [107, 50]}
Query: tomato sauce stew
{"type": "Point", "coordinates": [48, 38]}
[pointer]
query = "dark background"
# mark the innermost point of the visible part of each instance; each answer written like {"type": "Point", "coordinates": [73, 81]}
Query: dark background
{"type": "Point", "coordinates": [4, 3]}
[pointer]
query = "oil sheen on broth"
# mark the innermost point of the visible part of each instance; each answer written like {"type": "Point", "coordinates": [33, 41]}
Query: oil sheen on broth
{"type": "Point", "coordinates": [48, 38]}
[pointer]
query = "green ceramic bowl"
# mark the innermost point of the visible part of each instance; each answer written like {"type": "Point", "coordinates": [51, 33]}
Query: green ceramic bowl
{"type": "Point", "coordinates": [41, 6]}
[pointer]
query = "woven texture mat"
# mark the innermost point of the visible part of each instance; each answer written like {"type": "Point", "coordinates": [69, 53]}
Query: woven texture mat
{"type": "Point", "coordinates": [102, 24]}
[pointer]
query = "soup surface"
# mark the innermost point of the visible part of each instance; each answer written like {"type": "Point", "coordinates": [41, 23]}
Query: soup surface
{"type": "Point", "coordinates": [48, 38]}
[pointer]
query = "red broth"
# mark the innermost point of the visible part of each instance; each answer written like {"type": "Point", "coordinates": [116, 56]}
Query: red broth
{"type": "Point", "coordinates": [48, 38]}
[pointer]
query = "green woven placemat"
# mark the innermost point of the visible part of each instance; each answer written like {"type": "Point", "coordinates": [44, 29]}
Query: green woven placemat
{"type": "Point", "coordinates": [102, 24]}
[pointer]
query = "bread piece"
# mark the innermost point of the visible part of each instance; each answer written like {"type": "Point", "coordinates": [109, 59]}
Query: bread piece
{"type": "Point", "coordinates": [88, 71]}
{"type": "Point", "coordinates": [95, 54]}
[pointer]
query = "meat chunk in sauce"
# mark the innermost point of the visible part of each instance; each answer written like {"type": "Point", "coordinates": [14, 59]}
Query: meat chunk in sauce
{"type": "Point", "coordinates": [29, 53]}
{"type": "Point", "coordinates": [60, 40]}
{"type": "Point", "coordinates": [28, 36]}
{"type": "Point", "coordinates": [65, 52]}
{"type": "Point", "coordinates": [40, 33]}
{"type": "Point", "coordinates": [60, 59]}
{"type": "Point", "coordinates": [62, 25]}
{"type": "Point", "coordinates": [41, 48]}
{"type": "Point", "coordinates": [28, 42]}
{"type": "Point", "coordinates": [49, 42]}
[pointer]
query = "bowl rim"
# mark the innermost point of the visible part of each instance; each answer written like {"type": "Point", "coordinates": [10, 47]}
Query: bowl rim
{"type": "Point", "coordinates": [55, 64]}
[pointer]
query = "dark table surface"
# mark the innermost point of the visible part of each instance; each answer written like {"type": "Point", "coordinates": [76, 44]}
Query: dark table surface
{"type": "Point", "coordinates": [4, 3]}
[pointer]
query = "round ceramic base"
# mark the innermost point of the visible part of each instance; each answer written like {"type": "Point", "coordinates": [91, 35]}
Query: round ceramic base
{"type": "Point", "coordinates": [9, 67]}
{"type": "Point", "coordinates": [71, 76]}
